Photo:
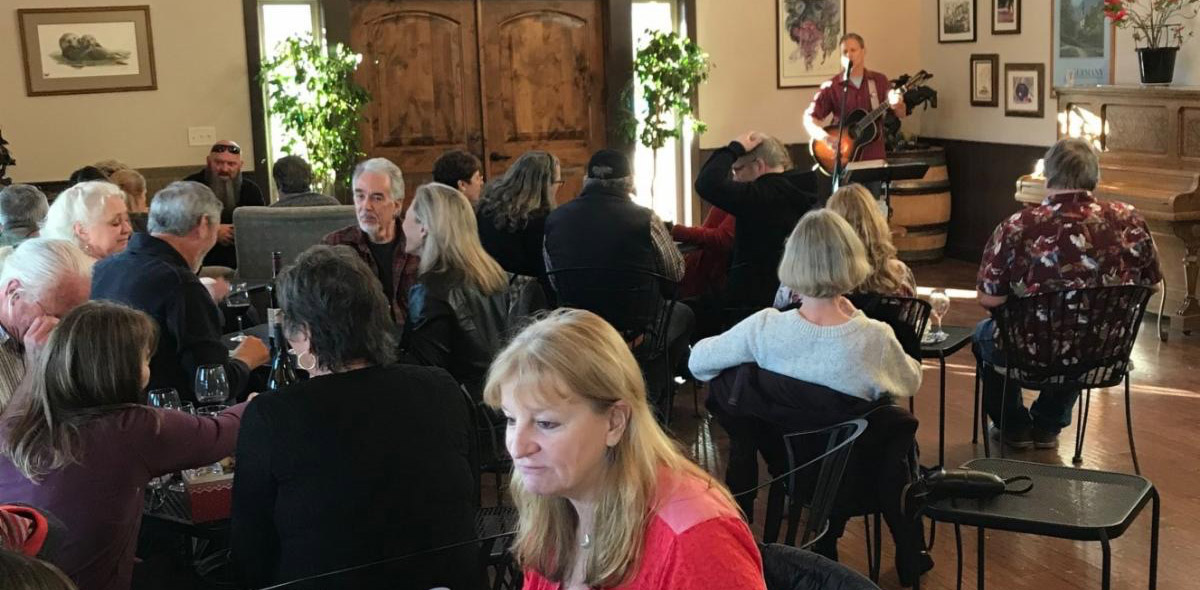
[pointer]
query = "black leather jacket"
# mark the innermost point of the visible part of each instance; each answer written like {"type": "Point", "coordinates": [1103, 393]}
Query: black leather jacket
{"type": "Point", "coordinates": [454, 326]}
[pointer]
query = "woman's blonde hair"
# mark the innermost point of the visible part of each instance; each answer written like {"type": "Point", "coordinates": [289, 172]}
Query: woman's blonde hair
{"type": "Point", "coordinates": [858, 207]}
{"type": "Point", "coordinates": [574, 354]}
{"type": "Point", "coordinates": [82, 204]}
{"type": "Point", "coordinates": [133, 184]}
{"type": "Point", "coordinates": [823, 258]}
{"type": "Point", "coordinates": [452, 238]}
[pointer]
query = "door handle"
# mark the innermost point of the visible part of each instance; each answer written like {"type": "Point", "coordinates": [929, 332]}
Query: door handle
{"type": "Point", "coordinates": [498, 157]}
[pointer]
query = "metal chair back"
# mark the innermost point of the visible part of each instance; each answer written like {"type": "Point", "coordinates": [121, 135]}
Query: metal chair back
{"type": "Point", "coordinates": [805, 449]}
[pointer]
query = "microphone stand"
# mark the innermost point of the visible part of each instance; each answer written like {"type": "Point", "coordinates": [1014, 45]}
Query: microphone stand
{"type": "Point", "coordinates": [837, 149]}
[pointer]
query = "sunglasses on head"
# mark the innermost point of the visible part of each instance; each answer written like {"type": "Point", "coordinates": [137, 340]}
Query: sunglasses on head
{"type": "Point", "coordinates": [233, 149]}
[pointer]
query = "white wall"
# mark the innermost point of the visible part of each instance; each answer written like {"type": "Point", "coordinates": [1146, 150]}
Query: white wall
{"type": "Point", "coordinates": [741, 93]}
{"type": "Point", "coordinates": [200, 57]}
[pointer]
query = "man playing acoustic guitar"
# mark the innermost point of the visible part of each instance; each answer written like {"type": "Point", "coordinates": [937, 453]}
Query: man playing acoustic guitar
{"type": "Point", "coordinates": [866, 89]}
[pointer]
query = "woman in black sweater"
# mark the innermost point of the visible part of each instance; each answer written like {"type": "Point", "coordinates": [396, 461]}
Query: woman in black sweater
{"type": "Point", "coordinates": [513, 209]}
{"type": "Point", "coordinates": [365, 461]}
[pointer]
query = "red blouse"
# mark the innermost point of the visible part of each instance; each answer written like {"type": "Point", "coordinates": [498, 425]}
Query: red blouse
{"type": "Point", "coordinates": [696, 540]}
{"type": "Point", "coordinates": [705, 267]}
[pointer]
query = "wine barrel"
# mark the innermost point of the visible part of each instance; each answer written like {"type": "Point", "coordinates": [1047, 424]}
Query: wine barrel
{"type": "Point", "coordinates": [921, 208]}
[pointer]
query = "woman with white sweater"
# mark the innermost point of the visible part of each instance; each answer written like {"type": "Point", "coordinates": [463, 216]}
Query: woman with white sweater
{"type": "Point", "coordinates": [826, 341]}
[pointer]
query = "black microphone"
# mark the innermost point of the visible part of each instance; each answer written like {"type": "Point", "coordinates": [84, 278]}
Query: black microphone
{"type": "Point", "coordinates": [849, 66]}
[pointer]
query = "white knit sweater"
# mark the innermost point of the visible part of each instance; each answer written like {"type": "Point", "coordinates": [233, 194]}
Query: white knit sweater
{"type": "Point", "coordinates": [860, 357]}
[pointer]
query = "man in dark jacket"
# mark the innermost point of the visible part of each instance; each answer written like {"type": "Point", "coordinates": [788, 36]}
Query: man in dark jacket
{"type": "Point", "coordinates": [157, 274]}
{"type": "Point", "coordinates": [293, 178]}
{"type": "Point", "coordinates": [604, 228]}
{"type": "Point", "coordinates": [750, 178]}
{"type": "Point", "coordinates": [223, 174]}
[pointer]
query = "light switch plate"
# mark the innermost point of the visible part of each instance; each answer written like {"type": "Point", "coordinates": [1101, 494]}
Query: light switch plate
{"type": "Point", "coordinates": [202, 136]}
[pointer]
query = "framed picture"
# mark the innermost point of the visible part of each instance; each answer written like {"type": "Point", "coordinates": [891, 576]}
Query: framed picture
{"type": "Point", "coordinates": [1006, 17]}
{"type": "Point", "coordinates": [956, 21]}
{"type": "Point", "coordinates": [1024, 90]}
{"type": "Point", "coordinates": [807, 35]}
{"type": "Point", "coordinates": [985, 79]}
{"type": "Point", "coordinates": [84, 50]}
{"type": "Point", "coordinates": [1081, 49]}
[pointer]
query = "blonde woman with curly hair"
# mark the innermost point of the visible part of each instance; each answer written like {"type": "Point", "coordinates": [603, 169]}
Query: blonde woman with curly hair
{"type": "Point", "coordinates": [606, 499]}
{"type": "Point", "coordinates": [458, 309]}
{"type": "Point", "coordinates": [889, 275]}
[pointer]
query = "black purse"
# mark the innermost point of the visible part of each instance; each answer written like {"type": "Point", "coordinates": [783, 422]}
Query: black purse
{"type": "Point", "coordinates": [939, 484]}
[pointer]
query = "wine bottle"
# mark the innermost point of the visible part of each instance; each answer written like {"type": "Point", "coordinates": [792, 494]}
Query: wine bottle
{"type": "Point", "coordinates": [273, 307]}
{"type": "Point", "coordinates": [283, 366]}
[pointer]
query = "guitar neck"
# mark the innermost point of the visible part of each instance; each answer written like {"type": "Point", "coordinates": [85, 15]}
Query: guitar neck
{"type": "Point", "coordinates": [875, 113]}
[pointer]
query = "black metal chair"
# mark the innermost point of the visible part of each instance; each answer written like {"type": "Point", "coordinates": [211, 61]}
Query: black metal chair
{"type": "Point", "coordinates": [488, 453]}
{"type": "Point", "coordinates": [907, 317]}
{"type": "Point", "coordinates": [1074, 339]}
{"type": "Point", "coordinates": [829, 449]}
{"type": "Point", "coordinates": [638, 303]}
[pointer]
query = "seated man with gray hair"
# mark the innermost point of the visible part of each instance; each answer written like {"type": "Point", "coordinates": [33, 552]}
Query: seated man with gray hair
{"type": "Point", "coordinates": [752, 178]}
{"type": "Point", "coordinates": [22, 211]}
{"type": "Point", "coordinates": [41, 281]}
{"type": "Point", "coordinates": [293, 179]}
{"type": "Point", "coordinates": [377, 238]}
{"type": "Point", "coordinates": [1070, 241]}
{"type": "Point", "coordinates": [157, 274]}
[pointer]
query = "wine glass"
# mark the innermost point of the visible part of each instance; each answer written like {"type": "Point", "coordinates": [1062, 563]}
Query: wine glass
{"type": "Point", "coordinates": [166, 398]}
{"type": "Point", "coordinates": [939, 301]}
{"type": "Point", "coordinates": [212, 386]}
{"type": "Point", "coordinates": [239, 302]}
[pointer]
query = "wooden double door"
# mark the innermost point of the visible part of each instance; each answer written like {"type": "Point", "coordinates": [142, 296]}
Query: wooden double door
{"type": "Point", "coordinates": [493, 77]}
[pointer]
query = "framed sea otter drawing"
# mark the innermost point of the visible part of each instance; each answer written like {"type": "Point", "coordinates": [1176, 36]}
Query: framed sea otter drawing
{"type": "Point", "coordinates": [83, 50]}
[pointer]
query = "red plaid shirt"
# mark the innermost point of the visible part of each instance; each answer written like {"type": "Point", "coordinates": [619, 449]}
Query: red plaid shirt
{"type": "Point", "coordinates": [1070, 241]}
{"type": "Point", "coordinates": [404, 266]}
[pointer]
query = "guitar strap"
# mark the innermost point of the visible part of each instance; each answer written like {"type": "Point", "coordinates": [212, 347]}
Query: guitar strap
{"type": "Point", "coordinates": [871, 88]}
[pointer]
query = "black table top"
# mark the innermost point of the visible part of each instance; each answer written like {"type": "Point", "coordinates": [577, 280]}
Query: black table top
{"type": "Point", "coordinates": [959, 337]}
{"type": "Point", "coordinates": [1065, 502]}
{"type": "Point", "coordinates": [259, 331]}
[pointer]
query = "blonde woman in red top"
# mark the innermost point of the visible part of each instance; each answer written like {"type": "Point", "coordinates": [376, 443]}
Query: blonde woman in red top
{"type": "Point", "coordinates": [606, 499]}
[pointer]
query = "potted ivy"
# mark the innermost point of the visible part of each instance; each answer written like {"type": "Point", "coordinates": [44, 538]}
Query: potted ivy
{"type": "Point", "coordinates": [667, 68]}
{"type": "Point", "coordinates": [312, 90]}
{"type": "Point", "coordinates": [1159, 28]}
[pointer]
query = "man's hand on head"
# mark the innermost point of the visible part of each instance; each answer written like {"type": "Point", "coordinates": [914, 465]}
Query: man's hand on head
{"type": "Point", "coordinates": [750, 140]}
{"type": "Point", "coordinates": [38, 334]}
{"type": "Point", "coordinates": [225, 234]}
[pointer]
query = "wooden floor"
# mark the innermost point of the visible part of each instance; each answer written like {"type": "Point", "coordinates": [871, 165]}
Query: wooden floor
{"type": "Point", "coordinates": [1166, 413]}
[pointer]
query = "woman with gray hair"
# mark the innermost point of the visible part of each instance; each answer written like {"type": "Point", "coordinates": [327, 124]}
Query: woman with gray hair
{"type": "Point", "coordinates": [92, 214]}
{"type": "Point", "coordinates": [364, 461]}
{"type": "Point", "coordinates": [513, 210]}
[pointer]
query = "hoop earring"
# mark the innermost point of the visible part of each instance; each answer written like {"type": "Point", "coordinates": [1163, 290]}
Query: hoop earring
{"type": "Point", "coordinates": [300, 362]}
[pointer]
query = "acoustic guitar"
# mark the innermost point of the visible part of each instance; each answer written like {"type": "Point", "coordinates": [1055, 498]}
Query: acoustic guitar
{"type": "Point", "coordinates": [862, 128]}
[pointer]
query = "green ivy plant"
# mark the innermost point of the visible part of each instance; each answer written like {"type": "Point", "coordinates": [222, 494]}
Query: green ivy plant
{"type": "Point", "coordinates": [312, 90]}
{"type": "Point", "coordinates": [667, 69]}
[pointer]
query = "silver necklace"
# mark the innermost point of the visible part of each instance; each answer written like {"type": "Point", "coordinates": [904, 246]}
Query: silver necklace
{"type": "Point", "coordinates": [586, 542]}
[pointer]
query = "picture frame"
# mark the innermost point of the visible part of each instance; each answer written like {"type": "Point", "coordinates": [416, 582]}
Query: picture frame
{"type": "Point", "coordinates": [985, 79]}
{"type": "Point", "coordinates": [1006, 17]}
{"type": "Point", "coordinates": [806, 41]}
{"type": "Point", "coordinates": [956, 21]}
{"type": "Point", "coordinates": [1082, 45]}
{"type": "Point", "coordinates": [1024, 90]}
{"type": "Point", "coordinates": [86, 50]}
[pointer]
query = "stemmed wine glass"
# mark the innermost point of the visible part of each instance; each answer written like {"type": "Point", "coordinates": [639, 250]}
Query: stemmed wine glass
{"type": "Point", "coordinates": [166, 398]}
{"type": "Point", "coordinates": [239, 302]}
{"type": "Point", "coordinates": [212, 386]}
{"type": "Point", "coordinates": [939, 303]}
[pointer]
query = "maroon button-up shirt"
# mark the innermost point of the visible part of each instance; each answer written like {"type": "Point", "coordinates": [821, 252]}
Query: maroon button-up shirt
{"type": "Point", "coordinates": [829, 101]}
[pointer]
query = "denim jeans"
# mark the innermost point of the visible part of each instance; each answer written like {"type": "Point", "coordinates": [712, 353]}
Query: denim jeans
{"type": "Point", "coordinates": [1051, 412]}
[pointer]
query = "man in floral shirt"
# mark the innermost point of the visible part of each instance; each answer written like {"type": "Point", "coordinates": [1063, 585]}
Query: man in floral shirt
{"type": "Point", "coordinates": [1070, 241]}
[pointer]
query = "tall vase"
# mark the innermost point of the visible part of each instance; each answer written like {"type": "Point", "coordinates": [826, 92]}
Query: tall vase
{"type": "Point", "coordinates": [1157, 64]}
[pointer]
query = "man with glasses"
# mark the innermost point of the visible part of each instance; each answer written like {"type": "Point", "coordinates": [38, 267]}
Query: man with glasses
{"type": "Point", "coordinates": [751, 178]}
{"type": "Point", "coordinates": [223, 174]}
{"type": "Point", "coordinates": [41, 281]}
